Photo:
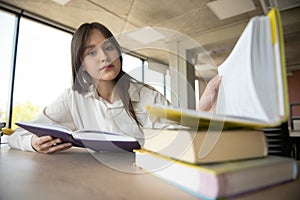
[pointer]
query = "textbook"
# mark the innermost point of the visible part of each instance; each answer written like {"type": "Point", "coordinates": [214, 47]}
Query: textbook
{"type": "Point", "coordinates": [253, 90]}
{"type": "Point", "coordinates": [222, 180]}
{"type": "Point", "coordinates": [93, 139]}
{"type": "Point", "coordinates": [195, 147]}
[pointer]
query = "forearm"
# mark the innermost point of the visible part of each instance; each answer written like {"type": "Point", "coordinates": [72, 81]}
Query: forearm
{"type": "Point", "coordinates": [20, 139]}
{"type": "Point", "coordinates": [56, 113]}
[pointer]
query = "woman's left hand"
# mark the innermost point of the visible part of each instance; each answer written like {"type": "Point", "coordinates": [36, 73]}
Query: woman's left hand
{"type": "Point", "coordinates": [47, 144]}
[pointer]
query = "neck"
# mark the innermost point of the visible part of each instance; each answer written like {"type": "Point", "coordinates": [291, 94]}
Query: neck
{"type": "Point", "coordinates": [106, 90]}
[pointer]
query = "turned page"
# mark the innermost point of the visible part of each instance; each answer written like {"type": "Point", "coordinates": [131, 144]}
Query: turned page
{"type": "Point", "coordinates": [247, 87]}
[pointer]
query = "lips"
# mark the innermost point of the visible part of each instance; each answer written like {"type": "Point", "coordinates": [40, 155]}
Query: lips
{"type": "Point", "coordinates": [107, 67]}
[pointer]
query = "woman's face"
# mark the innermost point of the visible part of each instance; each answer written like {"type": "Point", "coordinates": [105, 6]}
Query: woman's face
{"type": "Point", "coordinates": [100, 58]}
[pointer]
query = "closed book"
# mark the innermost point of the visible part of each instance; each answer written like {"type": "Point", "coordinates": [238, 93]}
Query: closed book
{"type": "Point", "coordinates": [221, 180]}
{"type": "Point", "coordinates": [208, 146]}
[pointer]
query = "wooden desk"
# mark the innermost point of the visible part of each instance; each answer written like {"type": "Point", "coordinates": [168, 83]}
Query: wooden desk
{"type": "Point", "coordinates": [77, 174]}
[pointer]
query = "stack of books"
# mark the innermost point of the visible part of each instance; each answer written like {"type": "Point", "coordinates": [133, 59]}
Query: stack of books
{"type": "Point", "coordinates": [224, 154]}
{"type": "Point", "coordinates": [221, 179]}
{"type": "Point", "coordinates": [212, 164]}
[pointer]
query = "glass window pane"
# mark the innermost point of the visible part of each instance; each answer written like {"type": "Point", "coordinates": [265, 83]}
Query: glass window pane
{"type": "Point", "coordinates": [154, 78]}
{"type": "Point", "coordinates": [43, 68]}
{"type": "Point", "coordinates": [7, 27]}
{"type": "Point", "coordinates": [197, 94]}
{"type": "Point", "coordinates": [133, 66]}
{"type": "Point", "coordinates": [168, 86]}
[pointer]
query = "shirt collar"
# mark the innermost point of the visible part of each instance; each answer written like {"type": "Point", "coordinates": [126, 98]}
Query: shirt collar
{"type": "Point", "coordinates": [134, 92]}
{"type": "Point", "coordinates": [91, 92]}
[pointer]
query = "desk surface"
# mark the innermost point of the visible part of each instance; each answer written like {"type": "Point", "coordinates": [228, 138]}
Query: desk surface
{"type": "Point", "coordinates": [78, 174]}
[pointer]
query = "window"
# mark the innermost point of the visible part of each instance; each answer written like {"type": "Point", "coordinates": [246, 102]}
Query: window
{"type": "Point", "coordinates": [43, 66]}
{"type": "Point", "coordinates": [133, 66]}
{"type": "Point", "coordinates": [197, 94]}
{"type": "Point", "coordinates": [140, 71]}
{"type": "Point", "coordinates": [7, 24]}
{"type": "Point", "coordinates": [155, 79]}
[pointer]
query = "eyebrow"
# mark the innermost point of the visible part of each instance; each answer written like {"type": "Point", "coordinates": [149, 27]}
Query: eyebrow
{"type": "Point", "coordinates": [106, 42]}
{"type": "Point", "coordinates": [89, 47]}
{"type": "Point", "coordinates": [102, 44]}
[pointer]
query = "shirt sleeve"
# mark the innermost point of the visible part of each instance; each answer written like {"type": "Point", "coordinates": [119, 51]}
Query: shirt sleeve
{"type": "Point", "coordinates": [20, 139]}
{"type": "Point", "coordinates": [56, 113]}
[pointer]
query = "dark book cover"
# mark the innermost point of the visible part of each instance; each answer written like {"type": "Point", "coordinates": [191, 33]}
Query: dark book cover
{"type": "Point", "coordinates": [66, 135]}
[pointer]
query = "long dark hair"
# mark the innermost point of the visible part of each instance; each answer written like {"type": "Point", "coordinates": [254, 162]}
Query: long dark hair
{"type": "Point", "coordinates": [82, 80]}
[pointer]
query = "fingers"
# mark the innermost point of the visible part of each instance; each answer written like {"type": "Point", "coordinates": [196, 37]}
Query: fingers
{"type": "Point", "coordinates": [208, 99]}
{"type": "Point", "coordinates": [46, 144]}
{"type": "Point", "coordinates": [214, 83]}
{"type": "Point", "coordinates": [58, 147]}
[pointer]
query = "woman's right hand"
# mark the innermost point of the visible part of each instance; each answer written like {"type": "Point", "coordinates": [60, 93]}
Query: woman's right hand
{"type": "Point", "coordinates": [46, 144]}
{"type": "Point", "coordinates": [208, 100]}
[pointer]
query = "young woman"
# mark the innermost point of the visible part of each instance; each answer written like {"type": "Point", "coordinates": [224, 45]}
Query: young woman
{"type": "Point", "coordinates": [102, 96]}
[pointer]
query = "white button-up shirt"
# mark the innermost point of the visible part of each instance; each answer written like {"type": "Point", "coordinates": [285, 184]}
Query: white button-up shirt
{"type": "Point", "coordinates": [89, 111]}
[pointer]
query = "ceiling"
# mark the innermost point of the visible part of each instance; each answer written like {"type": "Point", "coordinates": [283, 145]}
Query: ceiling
{"type": "Point", "coordinates": [191, 18]}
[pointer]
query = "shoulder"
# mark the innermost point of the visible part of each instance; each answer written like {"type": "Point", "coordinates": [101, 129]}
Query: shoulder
{"type": "Point", "coordinates": [143, 89]}
{"type": "Point", "coordinates": [144, 93]}
{"type": "Point", "coordinates": [66, 94]}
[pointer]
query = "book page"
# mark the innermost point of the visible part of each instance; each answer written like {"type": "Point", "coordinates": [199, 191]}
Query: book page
{"type": "Point", "coordinates": [237, 94]}
{"type": "Point", "coordinates": [264, 69]}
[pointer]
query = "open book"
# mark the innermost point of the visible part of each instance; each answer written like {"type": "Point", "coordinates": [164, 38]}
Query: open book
{"type": "Point", "coordinates": [254, 75]}
{"type": "Point", "coordinates": [253, 90]}
{"type": "Point", "coordinates": [92, 139]}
